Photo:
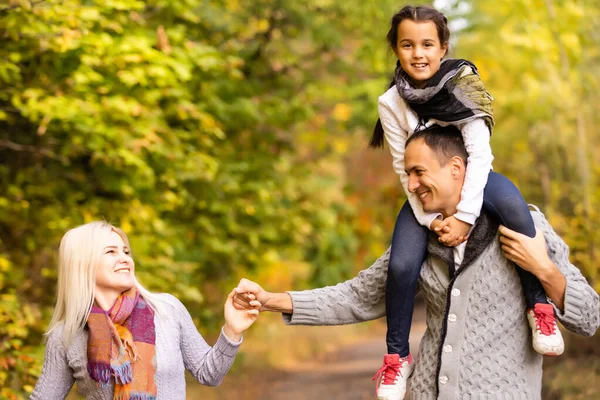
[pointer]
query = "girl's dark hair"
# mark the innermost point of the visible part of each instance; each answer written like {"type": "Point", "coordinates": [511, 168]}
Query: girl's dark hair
{"type": "Point", "coordinates": [417, 14]}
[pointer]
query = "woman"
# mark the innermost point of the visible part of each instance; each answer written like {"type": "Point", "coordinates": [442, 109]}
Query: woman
{"type": "Point", "coordinates": [115, 338]}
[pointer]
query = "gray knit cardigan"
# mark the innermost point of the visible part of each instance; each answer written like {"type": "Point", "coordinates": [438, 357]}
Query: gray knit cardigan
{"type": "Point", "coordinates": [477, 345]}
{"type": "Point", "coordinates": [179, 346]}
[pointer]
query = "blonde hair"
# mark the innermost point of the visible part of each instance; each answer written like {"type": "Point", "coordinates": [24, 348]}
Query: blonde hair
{"type": "Point", "coordinates": [78, 256]}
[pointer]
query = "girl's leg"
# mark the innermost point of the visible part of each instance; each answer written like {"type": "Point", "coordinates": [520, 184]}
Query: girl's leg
{"type": "Point", "coordinates": [502, 199]}
{"type": "Point", "coordinates": [409, 248]}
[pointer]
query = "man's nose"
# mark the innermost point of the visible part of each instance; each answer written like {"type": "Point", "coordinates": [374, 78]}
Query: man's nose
{"type": "Point", "coordinates": [413, 183]}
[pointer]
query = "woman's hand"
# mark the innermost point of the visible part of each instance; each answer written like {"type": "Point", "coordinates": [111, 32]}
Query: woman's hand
{"type": "Point", "coordinates": [236, 320]}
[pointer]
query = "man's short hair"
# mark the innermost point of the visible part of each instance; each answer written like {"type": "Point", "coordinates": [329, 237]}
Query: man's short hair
{"type": "Point", "coordinates": [445, 141]}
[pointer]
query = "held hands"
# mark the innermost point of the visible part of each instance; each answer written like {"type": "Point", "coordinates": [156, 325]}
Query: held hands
{"type": "Point", "coordinates": [249, 294]}
{"type": "Point", "coordinates": [451, 231]}
{"type": "Point", "coordinates": [237, 320]}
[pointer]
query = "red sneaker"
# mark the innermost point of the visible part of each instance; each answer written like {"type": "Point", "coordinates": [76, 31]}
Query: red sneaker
{"type": "Point", "coordinates": [547, 339]}
{"type": "Point", "coordinates": [394, 373]}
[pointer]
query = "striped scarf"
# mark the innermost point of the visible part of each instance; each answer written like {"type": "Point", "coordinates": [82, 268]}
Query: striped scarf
{"type": "Point", "coordinates": [453, 94]}
{"type": "Point", "coordinates": [121, 346]}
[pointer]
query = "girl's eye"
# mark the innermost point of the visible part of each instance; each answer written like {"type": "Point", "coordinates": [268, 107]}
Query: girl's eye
{"type": "Point", "coordinates": [126, 252]}
{"type": "Point", "coordinates": [406, 46]}
{"type": "Point", "coordinates": [110, 251]}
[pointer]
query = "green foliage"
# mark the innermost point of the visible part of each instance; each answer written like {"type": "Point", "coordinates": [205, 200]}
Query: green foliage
{"type": "Point", "coordinates": [179, 122]}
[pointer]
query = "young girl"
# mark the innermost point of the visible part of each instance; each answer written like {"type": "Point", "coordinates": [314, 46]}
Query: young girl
{"type": "Point", "coordinates": [116, 339]}
{"type": "Point", "coordinates": [428, 90]}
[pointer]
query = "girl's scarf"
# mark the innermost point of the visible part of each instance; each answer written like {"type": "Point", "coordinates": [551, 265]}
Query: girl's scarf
{"type": "Point", "coordinates": [454, 94]}
{"type": "Point", "coordinates": [121, 346]}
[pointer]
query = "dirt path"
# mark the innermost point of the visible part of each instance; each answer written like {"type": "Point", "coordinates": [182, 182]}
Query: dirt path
{"type": "Point", "coordinates": [344, 374]}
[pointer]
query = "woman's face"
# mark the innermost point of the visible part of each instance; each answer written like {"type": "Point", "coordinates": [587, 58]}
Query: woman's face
{"type": "Point", "coordinates": [115, 273]}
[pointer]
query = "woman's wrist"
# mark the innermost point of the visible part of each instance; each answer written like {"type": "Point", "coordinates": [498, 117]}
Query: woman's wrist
{"type": "Point", "coordinates": [232, 334]}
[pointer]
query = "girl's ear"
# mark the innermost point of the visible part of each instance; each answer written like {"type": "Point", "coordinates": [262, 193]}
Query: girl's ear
{"type": "Point", "coordinates": [445, 49]}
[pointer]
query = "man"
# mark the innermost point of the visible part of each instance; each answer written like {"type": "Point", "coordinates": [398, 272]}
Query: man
{"type": "Point", "coordinates": [477, 344]}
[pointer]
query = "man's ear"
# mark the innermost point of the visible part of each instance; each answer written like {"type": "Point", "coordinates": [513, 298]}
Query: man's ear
{"type": "Point", "coordinates": [458, 167]}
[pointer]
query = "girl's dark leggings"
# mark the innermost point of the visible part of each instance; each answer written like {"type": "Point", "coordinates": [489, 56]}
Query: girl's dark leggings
{"type": "Point", "coordinates": [502, 200]}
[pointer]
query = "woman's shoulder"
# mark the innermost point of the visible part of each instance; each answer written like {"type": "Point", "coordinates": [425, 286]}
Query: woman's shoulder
{"type": "Point", "coordinates": [168, 302]}
{"type": "Point", "coordinates": [56, 339]}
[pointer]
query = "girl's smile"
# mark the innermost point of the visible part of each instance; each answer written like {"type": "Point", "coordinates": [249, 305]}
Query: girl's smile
{"type": "Point", "coordinates": [419, 50]}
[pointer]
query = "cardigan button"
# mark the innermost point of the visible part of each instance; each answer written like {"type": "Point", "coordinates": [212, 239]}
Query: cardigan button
{"type": "Point", "coordinates": [455, 292]}
{"type": "Point", "coordinates": [443, 379]}
{"type": "Point", "coordinates": [447, 349]}
{"type": "Point", "coordinates": [452, 317]}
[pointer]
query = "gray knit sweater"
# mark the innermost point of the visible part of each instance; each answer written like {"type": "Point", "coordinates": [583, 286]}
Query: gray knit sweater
{"type": "Point", "coordinates": [477, 345]}
{"type": "Point", "coordinates": [179, 346]}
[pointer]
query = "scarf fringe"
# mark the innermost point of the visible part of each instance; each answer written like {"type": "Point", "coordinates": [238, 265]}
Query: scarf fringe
{"type": "Point", "coordinates": [141, 396]}
{"type": "Point", "coordinates": [100, 372]}
{"type": "Point", "coordinates": [123, 373]}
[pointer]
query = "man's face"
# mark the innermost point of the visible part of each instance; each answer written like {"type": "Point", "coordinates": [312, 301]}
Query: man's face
{"type": "Point", "coordinates": [438, 187]}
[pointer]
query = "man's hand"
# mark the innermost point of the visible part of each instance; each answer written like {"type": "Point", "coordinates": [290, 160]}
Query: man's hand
{"type": "Point", "coordinates": [530, 254]}
{"type": "Point", "coordinates": [249, 294]}
{"type": "Point", "coordinates": [451, 231]}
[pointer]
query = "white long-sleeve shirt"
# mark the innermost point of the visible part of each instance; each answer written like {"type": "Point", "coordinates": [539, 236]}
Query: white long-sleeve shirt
{"type": "Point", "coordinates": [399, 121]}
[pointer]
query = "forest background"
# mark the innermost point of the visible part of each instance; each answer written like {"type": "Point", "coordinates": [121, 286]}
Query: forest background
{"type": "Point", "coordinates": [229, 139]}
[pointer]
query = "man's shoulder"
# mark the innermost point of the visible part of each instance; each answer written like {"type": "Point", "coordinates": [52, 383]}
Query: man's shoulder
{"type": "Point", "coordinates": [539, 219]}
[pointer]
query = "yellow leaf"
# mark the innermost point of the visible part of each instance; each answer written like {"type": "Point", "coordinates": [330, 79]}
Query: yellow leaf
{"type": "Point", "coordinates": [342, 112]}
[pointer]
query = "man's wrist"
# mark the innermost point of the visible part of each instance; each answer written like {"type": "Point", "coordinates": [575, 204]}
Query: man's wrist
{"type": "Point", "coordinates": [546, 270]}
{"type": "Point", "coordinates": [278, 302]}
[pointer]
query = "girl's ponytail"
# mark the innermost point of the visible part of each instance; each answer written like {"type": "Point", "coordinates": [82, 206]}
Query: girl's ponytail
{"type": "Point", "coordinates": [378, 134]}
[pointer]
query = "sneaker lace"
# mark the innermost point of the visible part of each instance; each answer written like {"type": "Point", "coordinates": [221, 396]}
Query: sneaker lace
{"type": "Point", "coordinates": [389, 373]}
{"type": "Point", "coordinates": [544, 322]}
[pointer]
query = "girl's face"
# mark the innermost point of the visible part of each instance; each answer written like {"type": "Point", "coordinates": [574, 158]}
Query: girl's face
{"type": "Point", "coordinates": [419, 50]}
{"type": "Point", "coordinates": [115, 273]}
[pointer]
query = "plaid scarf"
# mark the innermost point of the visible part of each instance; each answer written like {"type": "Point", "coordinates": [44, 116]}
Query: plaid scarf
{"type": "Point", "coordinates": [122, 346]}
{"type": "Point", "coordinates": [450, 95]}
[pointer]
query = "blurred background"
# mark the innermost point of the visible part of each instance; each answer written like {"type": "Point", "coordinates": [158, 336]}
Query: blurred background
{"type": "Point", "coordinates": [229, 139]}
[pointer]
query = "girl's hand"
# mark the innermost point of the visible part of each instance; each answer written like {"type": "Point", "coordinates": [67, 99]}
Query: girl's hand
{"type": "Point", "coordinates": [452, 231]}
{"type": "Point", "coordinates": [236, 320]}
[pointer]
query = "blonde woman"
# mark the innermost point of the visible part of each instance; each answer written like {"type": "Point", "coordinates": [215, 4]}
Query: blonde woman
{"type": "Point", "coordinates": [116, 339]}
